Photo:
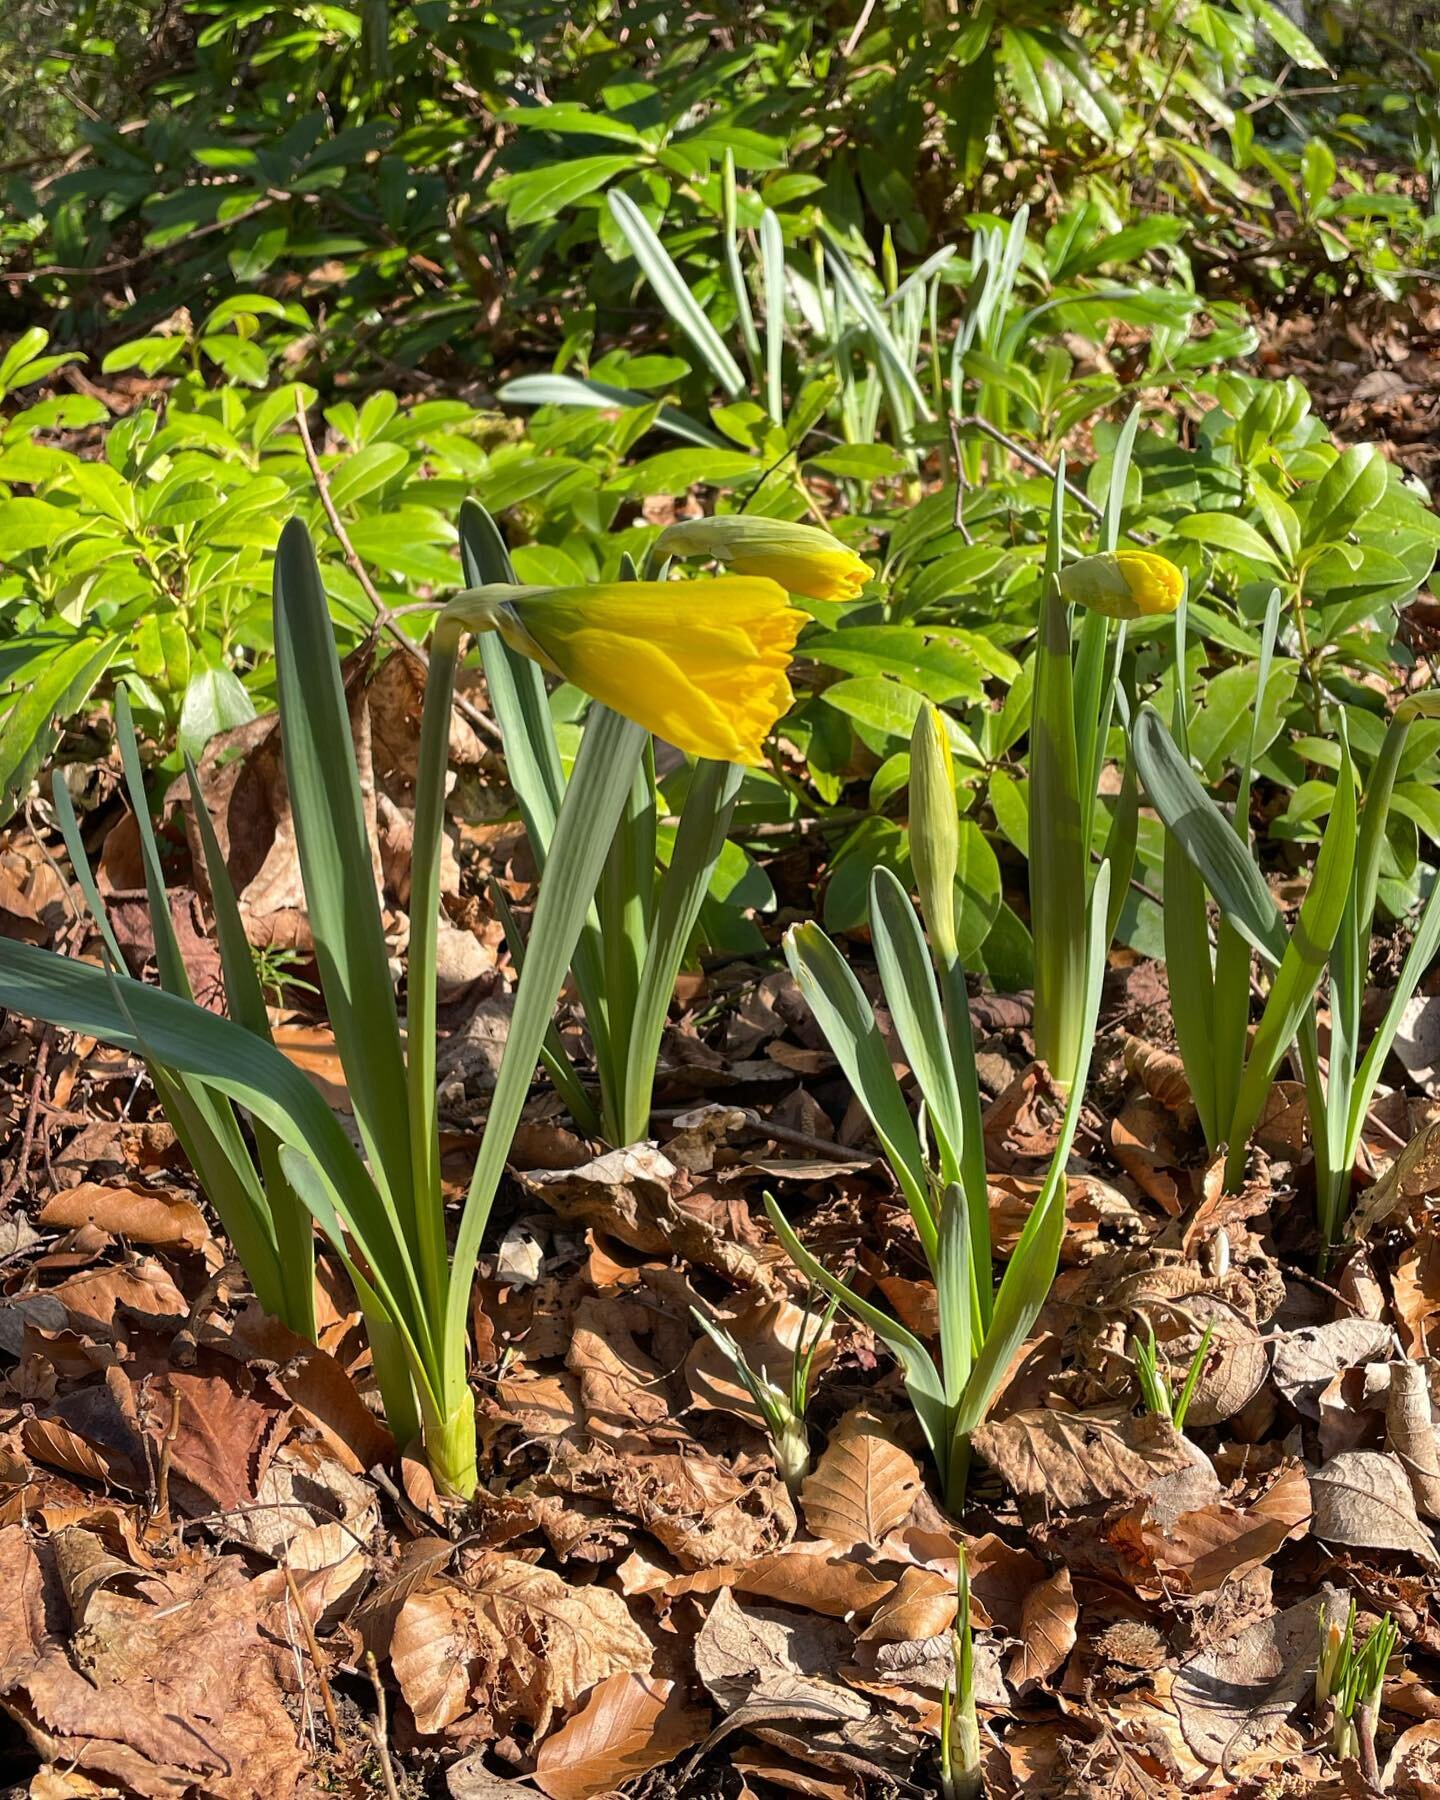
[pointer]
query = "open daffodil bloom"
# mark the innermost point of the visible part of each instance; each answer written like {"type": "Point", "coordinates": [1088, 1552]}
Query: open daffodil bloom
{"type": "Point", "coordinates": [702, 664]}
{"type": "Point", "coordinates": [802, 558]}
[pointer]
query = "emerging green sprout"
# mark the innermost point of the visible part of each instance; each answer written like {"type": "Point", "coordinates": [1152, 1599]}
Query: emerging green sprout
{"type": "Point", "coordinates": [1350, 1677]}
{"type": "Point", "coordinates": [959, 1727]}
{"type": "Point", "coordinates": [1155, 1383]}
{"type": "Point", "coordinates": [782, 1408]}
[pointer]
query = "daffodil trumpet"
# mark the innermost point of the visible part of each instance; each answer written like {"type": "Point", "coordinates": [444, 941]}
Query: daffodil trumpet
{"type": "Point", "coordinates": [702, 664]}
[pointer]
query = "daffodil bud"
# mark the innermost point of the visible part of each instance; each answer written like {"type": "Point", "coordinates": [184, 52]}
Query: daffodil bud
{"type": "Point", "coordinates": [802, 558]}
{"type": "Point", "coordinates": [1123, 584]}
{"type": "Point", "coordinates": [934, 827]}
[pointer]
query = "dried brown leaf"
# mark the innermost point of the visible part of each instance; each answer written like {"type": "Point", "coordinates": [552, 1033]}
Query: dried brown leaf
{"type": "Point", "coordinates": [627, 1725]}
{"type": "Point", "coordinates": [863, 1486]}
{"type": "Point", "coordinates": [1047, 1631]}
{"type": "Point", "coordinates": [1363, 1498]}
{"type": "Point", "coordinates": [1080, 1458]}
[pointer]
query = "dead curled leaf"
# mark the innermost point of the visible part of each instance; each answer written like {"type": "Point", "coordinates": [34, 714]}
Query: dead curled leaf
{"type": "Point", "coordinates": [1203, 1549]}
{"type": "Point", "coordinates": [689, 1501]}
{"type": "Point", "coordinates": [1304, 1363]}
{"type": "Point", "coordinates": [177, 1690]}
{"type": "Point", "coordinates": [628, 1724]}
{"type": "Point", "coordinates": [863, 1486]}
{"type": "Point", "coordinates": [1072, 1459]}
{"type": "Point", "coordinates": [753, 1653]}
{"type": "Point", "coordinates": [1232, 1701]}
{"type": "Point", "coordinates": [1363, 1498]}
{"type": "Point", "coordinates": [144, 1215]}
{"type": "Point", "coordinates": [515, 1641]}
{"type": "Point", "coordinates": [1047, 1631]}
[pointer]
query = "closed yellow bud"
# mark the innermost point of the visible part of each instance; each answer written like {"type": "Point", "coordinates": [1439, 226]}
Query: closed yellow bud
{"type": "Point", "coordinates": [934, 827]}
{"type": "Point", "coordinates": [1123, 584]}
{"type": "Point", "coordinates": [802, 558]}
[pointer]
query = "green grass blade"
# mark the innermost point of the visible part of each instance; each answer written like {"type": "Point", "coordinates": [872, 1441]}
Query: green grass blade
{"type": "Point", "coordinates": [553, 1054]}
{"type": "Point", "coordinates": [890, 355]}
{"type": "Point", "coordinates": [740, 293]}
{"type": "Point", "coordinates": [625, 903]}
{"type": "Point", "coordinates": [913, 997]}
{"type": "Point", "coordinates": [1207, 837]}
{"type": "Point", "coordinates": [1304, 961]}
{"type": "Point", "coordinates": [222, 1055]}
{"type": "Point", "coordinates": [848, 1022]}
{"type": "Point", "coordinates": [599, 784]}
{"type": "Point", "coordinates": [208, 1131]}
{"type": "Point", "coordinates": [1187, 943]}
{"type": "Point", "coordinates": [772, 258]}
{"type": "Point", "coordinates": [922, 1378]}
{"type": "Point", "coordinates": [1031, 1269]}
{"type": "Point", "coordinates": [293, 1229]}
{"type": "Point", "coordinates": [954, 1292]}
{"type": "Point", "coordinates": [1059, 854]}
{"type": "Point", "coordinates": [699, 840]}
{"type": "Point", "coordinates": [672, 293]}
{"type": "Point", "coordinates": [337, 867]}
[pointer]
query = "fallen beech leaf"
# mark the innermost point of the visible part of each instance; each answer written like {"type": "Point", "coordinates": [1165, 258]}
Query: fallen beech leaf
{"type": "Point", "coordinates": [862, 1487]}
{"type": "Point", "coordinates": [1080, 1458]}
{"type": "Point", "coordinates": [172, 1689]}
{"type": "Point", "coordinates": [627, 1725]}
{"type": "Point", "coordinates": [1410, 1433]}
{"type": "Point", "coordinates": [518, 1639]}
{"type": "Point", "coordinates": [1304, 1363]}
{"type": "Point", "coordinates": [1363, 1498]}
{"type": "Point", "coordinates": [1047, 1631]}
{"type": "Point", "coordinates": [701, 1511]}
{"type": "Point", "coordinates": [749, 1654]}
{"type": "Point", "coordinates": [145, 1215]}
{"type": "Point", "coordinates": [922, 1606]}
{"type": "Point", "coordinates": [1232, 1701]}
{"type": "Point", "coordinates": [808, 1575]}
{"type": "Point", "coordinates": [1205, 1548]}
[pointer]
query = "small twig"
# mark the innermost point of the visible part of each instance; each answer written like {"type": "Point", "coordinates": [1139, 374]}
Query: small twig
{"type": "Point", "coordinates": [848, 47]}
{"type": "Point", "coordinates": [1031, 458]}
{"type": "Point", "coordinates": [307, 1631]}
{"type": "Point", "coordinates": [167, 1451]}
{"type": "Point", "coordinates": [32, 1119]}
{"type": "Point", "coordinates": [380, 1730]}
{"type": "Point", "coordinates": [961, 486]}
{"type": "Point", "coordinates": [384, 618]}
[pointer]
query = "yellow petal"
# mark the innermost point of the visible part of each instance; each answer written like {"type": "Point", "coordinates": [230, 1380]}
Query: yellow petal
{"type": "Point", "coordinates": [802, 558]}
{"type": "Point", "coordinates": [1123, 584]}
{"type": "Point", "coordinates": [703, 664]}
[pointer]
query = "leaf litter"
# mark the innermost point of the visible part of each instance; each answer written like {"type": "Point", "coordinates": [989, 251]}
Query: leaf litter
{"type": "Point", "coordinates": [216, 1565]}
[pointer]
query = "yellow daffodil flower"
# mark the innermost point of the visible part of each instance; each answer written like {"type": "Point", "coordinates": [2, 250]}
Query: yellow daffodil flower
{"type": "Point", "coordinates": [702, 664]}
{"type": "Point", "coordinates": [1123, 584]}
{"type": "Point", "coordinates": [802, 558]}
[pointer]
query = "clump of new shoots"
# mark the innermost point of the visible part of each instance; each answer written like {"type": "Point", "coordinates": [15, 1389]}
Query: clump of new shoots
{"type": "Point", "coordinates": [1349, 1680]}
{"type": "Point", "coordinates": [1155, 1387]}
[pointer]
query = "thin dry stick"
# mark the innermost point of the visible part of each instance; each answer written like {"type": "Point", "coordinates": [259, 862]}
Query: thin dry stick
{"type": "Point", "coordinates": [167, 1451]}
{"type": "Point", "coordinates": [384, 618]}
{"type": "Point", "coordinates": [307, 1631]}
{"type": "Point", "coordinates": [380, 1729]}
